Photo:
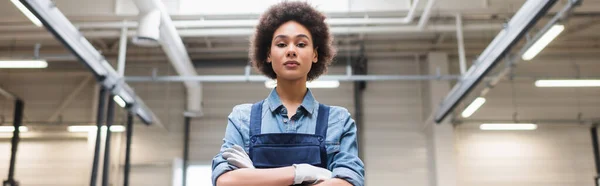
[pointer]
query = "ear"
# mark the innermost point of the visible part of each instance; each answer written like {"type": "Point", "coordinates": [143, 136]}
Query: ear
{"type": "Point", "coordinates": [269, 55]}
{"type": "Point", "coordinates": [316, 56]}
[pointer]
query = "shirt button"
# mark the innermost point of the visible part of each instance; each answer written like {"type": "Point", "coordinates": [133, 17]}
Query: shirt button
{"type": "Point", "coordinates": [285, 120]}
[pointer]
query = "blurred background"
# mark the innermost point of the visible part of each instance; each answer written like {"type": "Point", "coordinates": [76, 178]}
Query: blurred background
{"type": "Point", "coordinates": [444, 92]}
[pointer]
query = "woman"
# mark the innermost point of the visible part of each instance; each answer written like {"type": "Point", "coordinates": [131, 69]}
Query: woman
{"type": "Point", "coordinates": [290, 138]}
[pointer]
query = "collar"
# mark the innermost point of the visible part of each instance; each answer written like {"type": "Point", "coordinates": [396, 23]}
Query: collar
{"type": "Point", "coordinates": [309, 103]}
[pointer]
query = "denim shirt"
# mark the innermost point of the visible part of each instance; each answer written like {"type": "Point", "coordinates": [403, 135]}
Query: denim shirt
{"type": "Point", "coordinates": [341, 143]}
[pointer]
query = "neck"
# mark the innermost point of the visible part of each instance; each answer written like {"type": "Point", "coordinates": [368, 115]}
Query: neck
{"type": "Point", "coordinates": [291, 92]}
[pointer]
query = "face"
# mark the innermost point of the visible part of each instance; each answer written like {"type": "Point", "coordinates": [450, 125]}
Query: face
{"type": "Point", "coordinates": [292, 52]}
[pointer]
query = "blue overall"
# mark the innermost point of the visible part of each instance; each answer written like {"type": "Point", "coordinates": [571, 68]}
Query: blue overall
{"type": "Point", "coordinates": [284, 149]}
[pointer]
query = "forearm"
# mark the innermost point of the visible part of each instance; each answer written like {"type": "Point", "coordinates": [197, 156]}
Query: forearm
{"type": "Point", "coordinates": [283, 176]}
{"type": "Point", "coordinates": [334, 182]}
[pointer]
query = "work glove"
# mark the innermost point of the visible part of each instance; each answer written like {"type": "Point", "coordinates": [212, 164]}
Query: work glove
{"type": "Point", "coordinates": [237, 157]}
{"type": "Point", "coordinates": [306, 173]}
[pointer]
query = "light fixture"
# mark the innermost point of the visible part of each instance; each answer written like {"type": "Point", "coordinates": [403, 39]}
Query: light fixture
{"type": "Point", "coordinates": [119, 101]}
{"type": "Point", "coordinates": [12, 129]}
{"type": "Point", "coordinates": [323, 84]}
{"type": "Point", "coordinates": [270, 83]}
{"type": "Point", "coordinates": [508, 126]}
{"type": "Point", "coordinates": [23, 64]}
{"type": "Point", "coordinates": [309, 84]}
{"type": "Point", "coordinates": [27, 13]}
{"type": "Point", "coordinates": [89, 128]}
{"type": "Point", "coordinates": [542, 42]}
{"type": "Point", "coordinates": [568, 83]}
{"type": "Point", "coordinates": [473, 107]}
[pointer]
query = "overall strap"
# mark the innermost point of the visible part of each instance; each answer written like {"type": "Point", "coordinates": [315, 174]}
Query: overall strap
{"type": "Point", "coordinates": [321, 130]}
{"type": "Point", "coordinates": [256, 118]}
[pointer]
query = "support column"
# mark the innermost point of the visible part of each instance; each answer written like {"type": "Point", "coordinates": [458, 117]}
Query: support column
{"type": "Point", "coordinates": [440, 137]}
{"type": "Point", "coordinates": [110, 114]}
{"type": "Point", "coordinates": [17, 121]}
{"type": "Point", "coordinates": [594, 134]}
{"type": "Point", "coordinates": [359, 67]}
{"type": "Point", "coordinates": [128, 148]}
{"type": "Point", "coordinates": [99, 122]}
{"type": "Point", "coordinates": [186, 149]}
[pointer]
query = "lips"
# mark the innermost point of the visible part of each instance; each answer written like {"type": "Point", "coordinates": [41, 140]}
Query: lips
{"type": "Point", "coordinates": [291, 64]}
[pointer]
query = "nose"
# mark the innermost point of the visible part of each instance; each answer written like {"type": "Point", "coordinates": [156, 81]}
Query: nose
{"type": "Point", "coordinates": [291, 51]}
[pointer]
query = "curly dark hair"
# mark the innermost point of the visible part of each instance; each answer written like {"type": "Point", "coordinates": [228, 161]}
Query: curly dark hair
{"type": "Point", "coordinates": [307, 16]}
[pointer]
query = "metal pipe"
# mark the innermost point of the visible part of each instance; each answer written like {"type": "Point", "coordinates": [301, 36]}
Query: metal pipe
{"type": "Point", "coordinates": [515, 59]}
{"type": "Point", "coordinates": [186, 149]}
{"type": "Point", "coordinates": [99, 122]}
{"type": "Point", "coordinates": [358, 111]}
{"type": "Point", "coordinates": [18, 120]}
{"type": "Point", "coordinates": [128, 148]}
{"type": "Point", "coordinates": [426, 13]}
{"type": "Point", "coordinates": [110, 113]}
{"type": "Point", "coordinates": [122, 51]}
{"type": "Point", "coordinates": [67, 101]}
{"type": "Point", "coordinates": [528, 15]}
{"type": "Point", "coordinates": [360, 67]}
{"type": "Point", "coordinates": [175, 50]}
{"type": "Point", "coordinates": [56, 22]}
{"type": "Point", "coordinates": [229, 32]}
{"type": "Point", "coordinates": [186, 24]}
{"type": "Point", "coordinates": [594, 133]}
{"type": "Point", "coordinates": [461, 45]}
{"type": "Point", "coordinates": [7, 94]}
{"type": "Point", "coordinates": [260, 78]}
{"type": "Point", "coordinates": [588, 121]}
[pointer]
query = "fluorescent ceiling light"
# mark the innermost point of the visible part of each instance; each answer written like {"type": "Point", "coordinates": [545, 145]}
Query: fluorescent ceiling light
{"type": "Point", "coordinates": [323, 84]}
{"type": "Point", "coordinates": [508, 126]}
{"type": "Point", "coordinates": [568, 83]}
{"type": "Point", "coordinates": [23, 64]}
{"type": "Point", "coordinates": [89, 128]}
{"type": "Point", "coordinates": [12, 129]}
{"type": "Point", "coordinates": [310, 84]}
{"type": "Point", "coordinates": [542, 42]}
{"type": "Point", "coordinates": [119, 101]}
{"type": "Point", "coordinates": [270, 83]}
{"type": "Point", "coordinates": [473, 107]}
{"type": "Point", "coordinates": [27, 13]}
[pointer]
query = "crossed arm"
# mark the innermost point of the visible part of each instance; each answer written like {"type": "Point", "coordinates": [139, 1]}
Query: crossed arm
{"type": "Point", "coordinates": [347, 168]}
{"type": "Point", "coordinates": [283, 176]}
{"type": "Point", "coordinates": [246, 174]}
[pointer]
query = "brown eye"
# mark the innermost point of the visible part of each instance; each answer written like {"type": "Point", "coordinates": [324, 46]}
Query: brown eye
{"type": "Point", "coordinates": [301, 45]}
{"type": "Point", "coordinates": [281, 45]}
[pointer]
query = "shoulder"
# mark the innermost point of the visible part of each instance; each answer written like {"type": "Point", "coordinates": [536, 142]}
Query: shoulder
{"type": "Point", "coordinates": [338, 114]}
{"type": "Point", "coordinates": [240, 113]}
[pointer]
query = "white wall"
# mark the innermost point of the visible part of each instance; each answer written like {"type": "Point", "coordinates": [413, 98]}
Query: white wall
{"type": "Point", "coordinates": [46, 162]}
{"type": "Point", "coordinates": [557, 153]}
{"type": "Point", "coordinates": [395, 148]}
{"type": "Point", "coordinates": [552, 155]}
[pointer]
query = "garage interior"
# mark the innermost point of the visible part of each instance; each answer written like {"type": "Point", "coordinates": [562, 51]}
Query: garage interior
{"type": "Point", "coordinates": [444, 92]}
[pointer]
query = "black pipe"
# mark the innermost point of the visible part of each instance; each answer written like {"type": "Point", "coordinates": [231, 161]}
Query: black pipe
{"type": "Point", "coordinates": [17, 121]}
{"type": "Point", "coordinates": [110, 113]}
{"type": "Point", "coordinates": [359, 67]}
{"type": "Point", "coordinates": [358, 117]}
{"type": "Point", "coordinates": [186, 149]}
{"type": "Point", "coordinates": [128, 149]}
{"type": "Point", "coordinates": [99, 122]}
{"type": "Point", "coordinates": [594, 132]}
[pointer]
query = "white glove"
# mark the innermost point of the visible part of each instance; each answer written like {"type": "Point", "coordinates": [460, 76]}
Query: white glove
{"type": "Point", "coordinates": [237, 156]}
{"type": "Point", "coordinates": [310, 174]}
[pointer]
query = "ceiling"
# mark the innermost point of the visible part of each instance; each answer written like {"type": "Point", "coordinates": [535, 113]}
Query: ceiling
{"type": "Point", "coordinates": [18, 36]}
